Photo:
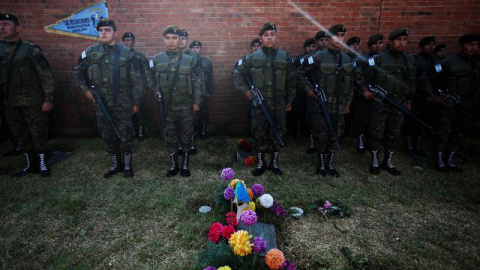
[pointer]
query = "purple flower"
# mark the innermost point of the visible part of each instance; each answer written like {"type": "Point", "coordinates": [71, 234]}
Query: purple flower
{"type": "Point", "coordinates": [278, 209]}
{"type": "Point", "coordinates": [259, 244]}
{"type": "Point", "coordinates": [229, 194]}
{"type": "Point", "coordinates": [288, 265]}
{"type": "Point", "coordinates": [327, 205]}
{"type": "Point", "coordinates": [258, 190]}
{"type": "Point", "coordinates": [249, 217]}
{"type": "Point", "coordinates": [228, 174]}
{"type": "Point", "coordinates": [210, 268]}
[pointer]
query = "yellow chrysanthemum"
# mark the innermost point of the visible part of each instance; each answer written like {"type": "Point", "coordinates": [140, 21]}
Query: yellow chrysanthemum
{"type": "Point", "coordinates": [240, 242]}
{"type": "Point", "coordinates": [274, 258]}
{"type": "Point", "coordinates": [226, 267]}
{"type": "Point", "coordinates": [252, 206]}
{"type": "Point", "coordinates": [234, 182]}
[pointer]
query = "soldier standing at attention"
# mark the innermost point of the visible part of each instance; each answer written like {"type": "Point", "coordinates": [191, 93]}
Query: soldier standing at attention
{"type": "Point", "coordinates": [440, 51]}
{"type": "Point", "coordinates": [394, 71]}
{"type": "Point", "coordinates": [109, 67]}
{"type": "Point", "coordinates": [256, 44]}
{"type": "Point", "coordinates": [334, 71]}
{"type": "Point", "coordinates": [322, 39]}
{"type": "Point", "coordinates": [181, 91]}
{"type": "Point", "coordinates": [27, 89]}
{"type": "Point", "coordinates": [207, 72]}
{"type": "Point", "coordinates": [271, 71]}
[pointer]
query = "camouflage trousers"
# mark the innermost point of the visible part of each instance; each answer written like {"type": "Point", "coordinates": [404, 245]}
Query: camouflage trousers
{"type": "Point", "coordinates": [360, 115]}
{"type": "Point", "coordinates": [29, 126]}
{"type": "Point", "coordinates": [385, 126]}
{"type": "Point", "coordinates": [201, 117]}
{"type": "Point", "coordinates": [322, 136]}
{"type": "Point", "coordinates": [261, 132]}
{"type": "Point", "coordinates": [179, 127]}
{"type": "Point", "coordinates": [449, 128]}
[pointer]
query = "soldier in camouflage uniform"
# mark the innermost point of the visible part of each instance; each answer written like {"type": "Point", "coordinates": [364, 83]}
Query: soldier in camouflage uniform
{"type": "Point", "coordinates": [96, 69]}
{"type": "Point", "coordinates": [322, 39]}
{"type": "Point", "coordinates": [271, 71]}
{"type": "Point", "coordinates": [141, 64]}
{"type": "Point", "coordinates": [460, 74]}
{"type": "Point", "coordinates": [394, 71]}
{"type": "Point", "coordinates": [201, 119]}
{"type": "Point", "coordinates": [334, 71]}
{"type": "Point", "coordinates": [181, 91]}
{"type": "Point", "coordinates": [440, 52]}
{"type": "Point", "coordinates": [27, 89]}
{"type": "Point", "coordinates": [256, 44]}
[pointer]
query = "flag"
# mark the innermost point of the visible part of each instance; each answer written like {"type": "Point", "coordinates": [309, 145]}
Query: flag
{"type": "Point", "coordinates": [82, 23]}
{"type": "Point", "coordinates": [241, 194]}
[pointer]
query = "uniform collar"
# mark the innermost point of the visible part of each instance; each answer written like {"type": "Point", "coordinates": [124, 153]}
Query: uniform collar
{"type": "Point", "coordinates": [269, 51]}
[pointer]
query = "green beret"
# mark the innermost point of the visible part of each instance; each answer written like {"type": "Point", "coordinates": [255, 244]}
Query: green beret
{"type": "Point", "coordinates": [266, 27]}
{"type": "Point", "coordinates": [171, 29]}
{"type": "Point", "coordinates": [321, 34]}
{"type": "Point", "coordinates": [9, 17]}
{"type": "Point", "coordinates": [439, 47]}
{"type": "Point", "coordinates": [468, 38]}
{"type": "Point", "coordinates": [425, 40]}
{"type": "Point", "coordinates": [196, 43]}
{"type": "Point", "coordinates": [398, 33]}
{"type": "Point", "coordinates": [352, 40]}
{"type": "Point", "coordinates": [374, 39]}
{"type": "Point", "coordinates": [255, 41]}
{"type": "Point", "coordinates": [128, 35]}
{"type": "Point", "coordinates": [337, 29]}
{"type": "Point", "coordinates": [309, 42]}
{"type": "Point", "coordinates": [183, 33]}
{"type": "Point", "coordinates": [106, 22]}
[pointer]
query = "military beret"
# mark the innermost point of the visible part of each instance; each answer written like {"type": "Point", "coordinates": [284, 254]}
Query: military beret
{"type": "Point", "coordinates": [255, 41]}
{"type": "Point", "coordinates": [106, 22]}
{"type": "Point", "coordinates": [468, 38]}
{"type": "Point", "coordinates": [128, 35]}
{"type": "Point", "coordinates": [374, 39]}
{"type": "Point", "coordinates": [425, 40]}
{"type": "Point", "coordinates": [309, 42]}
{"type": "Point", "coordinates": [398, 33]}
{"type": "Point", "coordinates": [171, 29]}
{"type": "Point", "coordinates": [352, 40]}
{"type": "Point", "coordinates": [266, 27]}
{"type": "Point", "coordinates": [183, 33]}
{"type": "Point", "coordinates": [196, 43]}
{"type": "Point", "coordinates": [337, 29]}
{"type": "Point", "coordinates": [439, 47]}
{"type": "Point", "coordinates": [321, 34]}
{"type": "Point", "coordinates": [9, 17]}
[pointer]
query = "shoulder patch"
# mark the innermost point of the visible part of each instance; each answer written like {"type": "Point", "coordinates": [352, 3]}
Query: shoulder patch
{"type": "Point", "coordinates": [438, 68]}
{"type": "Point", "coordinates": [310, 60]}
{"type": "Point", "coordinates": [371, 62]}
{"type": "Point", "coordinates": [239, 62]}
{"type": "Point", "coordinates": [150, 63]}
{"type": "Point", "coordinates": [84, 55]}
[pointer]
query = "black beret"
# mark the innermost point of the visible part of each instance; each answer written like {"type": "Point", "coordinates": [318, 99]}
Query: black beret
{"type": "Point", "coordinates": [266, 27]}
{"type": "Point", "coordinates": [183, 33]}
{"type": "Point", "coordinates": [439, 47]}
{"type": "Point", "coordinates": [171, 29]}
{"type": "Point", "coordinates": [196, 43]}
{"type": "Point", "coordinates": [337, 28]}
{"type": "Point", "coordinates": [106, 22]}
{"type": "Point", "coordinates": [128, 35]}
{"type": "Point", "coordinates": [468, 38]}
{"type": "Point", "coordinates": [374, 39]}
{"type": "Point", "coordinates": [398, 33]}
{"type": "Point", "coordinates": [425, 40]}
{"type": "Point", "coordinates": [321, 34]}
{"type": "Point", "coordinates": [352, 40]}
{"type": "Point", "coordinates": [9, 17]}
{"type": "Point", "coordinates": [255, 41]}
{"type": "Point", "coordinates": [310, 41]}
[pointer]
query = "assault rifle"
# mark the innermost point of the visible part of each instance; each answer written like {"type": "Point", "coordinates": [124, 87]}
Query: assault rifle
{"type": "Point", "coordinates": [258, 102]}
{"type": "Point", "coordinates": [163, 117]}
{"type": "Point", "coordinates": [103, 107]}
{"type": "Point", "coordinates": [380, 94]}
{"type": "Point", "coordinates": [451, 99]}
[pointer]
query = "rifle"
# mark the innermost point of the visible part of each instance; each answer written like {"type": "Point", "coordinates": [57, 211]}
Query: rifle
{"type": "Point", "coordinates": [258, 102]}
{"type": "Point", "coordinates": [163, 117]}
{"type": "Point", "coordinates": [451, 99]}
{"type": "Point", "coordinates": [380, 94]}
{"type": "Point", "coordinates": [321, 98]}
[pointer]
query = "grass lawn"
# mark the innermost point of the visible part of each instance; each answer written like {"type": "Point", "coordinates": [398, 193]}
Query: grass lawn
{"type": "Point", "coordinates": [76, 219]}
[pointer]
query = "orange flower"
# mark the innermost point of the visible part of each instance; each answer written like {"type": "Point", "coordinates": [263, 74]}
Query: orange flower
{"type": "Point", "coordinates": [274, 259]}
{"type": "Point", "coordinates": [250, 161]}
{"type": "Point", "coordinates": [250, 193]}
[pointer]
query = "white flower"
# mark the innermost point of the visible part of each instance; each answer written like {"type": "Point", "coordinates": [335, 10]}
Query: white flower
{"type": "Point", "coordinates": [266, 200]}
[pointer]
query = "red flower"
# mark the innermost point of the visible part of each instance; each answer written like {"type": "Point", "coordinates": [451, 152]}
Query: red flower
{"type": "Point", "coordinates": [215, 232]}
{"type": "Point", "coordinates": [232, 219]}
{"type": "Point", "coordinates": [228, 231]}
{"type": "Point", "coordinates": [250, 161]}
{"type": "Point", "coordinates": [244, 145]}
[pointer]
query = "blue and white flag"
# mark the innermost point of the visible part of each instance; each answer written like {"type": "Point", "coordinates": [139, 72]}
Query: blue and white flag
{"type": "Point", "coordinates": [82, 23]}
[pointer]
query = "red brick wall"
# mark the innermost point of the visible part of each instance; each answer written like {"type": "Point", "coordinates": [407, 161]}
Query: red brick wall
{"type": "Point", "coordinates": [226, 29]}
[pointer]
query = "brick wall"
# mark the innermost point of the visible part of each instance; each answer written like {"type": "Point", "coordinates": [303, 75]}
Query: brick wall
{"type": "Point", "coordinates": [226, 28]}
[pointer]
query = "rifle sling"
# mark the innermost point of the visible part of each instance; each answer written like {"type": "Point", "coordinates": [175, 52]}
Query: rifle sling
{"type": "Point", "coordinates": [116, 73]}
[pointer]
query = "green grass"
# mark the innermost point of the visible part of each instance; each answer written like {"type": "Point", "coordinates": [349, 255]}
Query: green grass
{"type": "Point", "coordinates": [76, 219]}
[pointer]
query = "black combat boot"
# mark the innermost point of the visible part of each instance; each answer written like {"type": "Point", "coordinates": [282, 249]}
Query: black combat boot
{"type": "Point", "coordinates": [374, 167]}
{"type": "Point", "coordinates": [117, 165]}
{"type": "Point", "coordinates": [192, 151]}
{"type": "Point", "coordinates": [140, 133]}
{"type": "Point", "coordinates": [410, 149]}
{"type": "Point", "coordinates": [311, 147]}
{"type": "Point", "coordinates": [450, 165]}
{"type": "Point", "coordinates": [261, 167]}
{"type": "Point", "coordinates": [127, 167]}
{"type": "Point", "coordinates": [331, 170]}
{"type": "Point", "coordinates": [387, 163]}
{"type": "Point", "coordinates": [321, 165]}
{"type": "Point", "coordinates": [361, 145]}
{"type": "Point", "coordinates": [42, 165]}
{"type": "Point", "coordinates": [203, 134]}
{"type": "Point", "coordinates": [174, 165]}
{"type": "Point", "coordinates": [185, 172]}
{"type": "Point", "coordinates": [30, 167]}
{"type": "Point", "coordinates": [439, 163]}
{"type": "Point", "coordinates": [273, 166]}
{"type": "Point", "coordinates": [418, 146]}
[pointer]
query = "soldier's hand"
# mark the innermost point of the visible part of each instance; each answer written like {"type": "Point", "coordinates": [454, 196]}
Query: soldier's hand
{"type": "Point", "coordinates": [248, 95]}
{"type": "Point", "coordinates": [408, 106]}
{"type": "Point", "coordinates": [89, 96]}
{"type": "Point", "coordinates": [47, 106]}
{"type": "Point", "coordinates": [367, 95]}
{"type": "Point", "coordinates": [289, 107]}
{"type": "Point", "coordinates": [311, 94]}
{"type": "Point", "coordinates": [196, 108]}
{"type": "Point", "coordinates": [134, 109]}
{"type": "Point", "coordinates": [347, 109]}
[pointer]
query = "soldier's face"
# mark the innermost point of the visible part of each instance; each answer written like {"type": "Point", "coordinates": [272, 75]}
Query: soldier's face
{"type": "Point", "coordinates": [310, 48]}
{"type": "Point", "coordinates": [172, 41]}
{"type": "Point", "coordinates": [470, 48]}
{"type": "Point", "coordinates": [269, 38]}
{"type": "Point", "coordinates": [399, 43]}
{"type": "Point", "coordinates": [107, 35]}
{"type": "Point", "coordinates": [336, 40]}
{"type": "Point", "coordinates": [196, 49]}
{"type": "Point", "coordinates": [322, 43]}
{"type": "Point", "coordinates": [256, 47]}
{"type": "Point", "coordinates": [442, 53]}
{"type": "Point", "coordinates": [129, 42]}
{"type": "Point", "coordinates": [8, 30]}
{"type": "Point", "coordinates": [183, 42]}
{"type": "Point", "coordinates": [377, 47]}
{"type": "Point", "coordinates": [428, 48]}
{"type": "Point", "coordinates": [355, 46]}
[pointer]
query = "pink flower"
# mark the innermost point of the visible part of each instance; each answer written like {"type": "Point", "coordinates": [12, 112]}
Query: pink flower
{"type": "Point", "coordinates": [327, 205]}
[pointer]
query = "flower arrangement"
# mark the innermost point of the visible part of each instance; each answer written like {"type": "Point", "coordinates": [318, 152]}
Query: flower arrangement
{"type": "Point", "coordinates": [327, 208]}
